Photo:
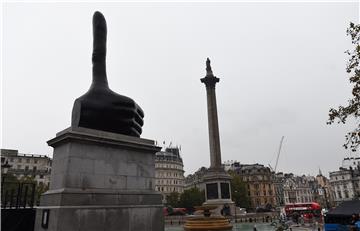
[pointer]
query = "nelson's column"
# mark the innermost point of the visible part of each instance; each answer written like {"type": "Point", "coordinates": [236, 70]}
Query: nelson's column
{"type": "Point", "coordinates": [217, 180]}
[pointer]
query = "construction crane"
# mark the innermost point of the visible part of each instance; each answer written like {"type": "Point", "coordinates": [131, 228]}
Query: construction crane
{"type": "Point", "coordinates": [278, 155]}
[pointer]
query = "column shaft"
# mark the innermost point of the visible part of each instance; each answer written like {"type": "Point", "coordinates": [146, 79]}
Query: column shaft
{"type": "Point", "coordinates": [214, 139]}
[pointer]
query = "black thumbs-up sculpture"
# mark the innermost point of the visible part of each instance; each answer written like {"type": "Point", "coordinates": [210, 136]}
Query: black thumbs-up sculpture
{"type": "Point", "coordinates": [100, 108]}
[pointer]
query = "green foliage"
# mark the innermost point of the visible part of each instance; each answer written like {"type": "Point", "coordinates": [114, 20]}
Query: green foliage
{"type": "Point", "coordinates": [12, 187]}
{"type": "Point", "coordinates": [173, 199]}
{"type": "Point", "coordinates": [353, 107]}
{"type": "Point", "coordinates": [239, 191]}
{"type": "Point", "coordinates": [191, 197]}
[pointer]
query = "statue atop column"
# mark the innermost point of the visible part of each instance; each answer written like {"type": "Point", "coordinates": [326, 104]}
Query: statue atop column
{"type": "Point", "coordinates": [208, 68]}
{"type": "Point", "coordinates": [101, 108]}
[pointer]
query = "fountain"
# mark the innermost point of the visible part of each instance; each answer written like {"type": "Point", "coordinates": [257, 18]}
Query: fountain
{"type": "Point", "coordinates": [206, 221]}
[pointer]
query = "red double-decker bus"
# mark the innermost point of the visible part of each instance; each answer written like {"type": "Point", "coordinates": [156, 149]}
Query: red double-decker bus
{"type": "Point", "coordinates": [305, 210]}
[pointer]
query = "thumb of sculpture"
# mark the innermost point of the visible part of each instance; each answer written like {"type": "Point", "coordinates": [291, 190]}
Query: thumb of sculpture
{"type": "Point", "coordinates": [99, 50]}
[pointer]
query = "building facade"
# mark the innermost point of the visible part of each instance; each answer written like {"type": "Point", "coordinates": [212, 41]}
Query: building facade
{"type": "Point", "coordinates": [342, 187]}
{"type": "Point", "coordinates": [23, 165]}
{"type": "Point", "coordinates": [345, 183]}
{"type": "Point", "coordinates": [297, 189]}
{"type": "Point", "coordinates": [351, 162]}
{"type": "Point", "coordinates": [260, 186]}
{"type": "Point", "coordinates": [279, 180]}
{"type": "Point", "coordinates": [324, 195]}
{"type": "Point", "coordinates": [196, 180]}
{"type": "Point", "coordinates": [169, 173]}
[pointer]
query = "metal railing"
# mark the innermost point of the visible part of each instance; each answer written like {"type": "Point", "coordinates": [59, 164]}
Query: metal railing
{"type": "Point", "coordinates": [17, 194]}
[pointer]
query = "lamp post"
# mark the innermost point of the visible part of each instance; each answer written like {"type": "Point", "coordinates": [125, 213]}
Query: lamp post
{"type": "Point", "coordinates": [235, 207]}
{"type": "Point", "coordinates": [5, 166]}
{"type": "Point", "coordinates": [4, 170]}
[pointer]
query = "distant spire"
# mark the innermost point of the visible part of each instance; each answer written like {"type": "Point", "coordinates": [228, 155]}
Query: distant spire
{"type": "Point", "coordinates": [208, 67]}
{"type": "Point", "coordinates": [320, 174]}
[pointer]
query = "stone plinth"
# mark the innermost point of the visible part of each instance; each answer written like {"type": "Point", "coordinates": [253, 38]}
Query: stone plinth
{"type": "Point", "coordinates": [218, 190]}
{"type": "Point", "coordinates": [101, 181]}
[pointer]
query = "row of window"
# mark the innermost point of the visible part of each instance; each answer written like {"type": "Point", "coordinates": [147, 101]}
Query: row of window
{"type": "Point", "coordinates": [257, 193]}
{"type": "Point", "coordinates": [298, 200]}
{"type": "Point", "coordinates": [173, 166]}
{"type": "Point", "coordinates": [256, 178]}
{"type": "Point", "coordinates": [167, 174]}
{"type": "Point", "coordinates": [27, 168]}
{"type": "Point", "coordinates": [176, 182]}
{"type": "Point", "coordinates": [20, 160]}
{"type": "Point", "coordinates": [346, 194]}
{"type": "Point", "coordinates": [169, 189]}
{"type": "Point", "coordinates": [258, 202]}
{"type": "Point", "coordinates": [342, 177]}
{"type": "Point", "coordinates": [298, 192]}
{"type": "Point", "coordinates": [41, 176]}
{"type": "Point", "coordinates": [257, 186]}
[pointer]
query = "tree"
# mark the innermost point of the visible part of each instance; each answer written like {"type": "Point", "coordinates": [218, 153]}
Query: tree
{"type": "Point", "coordinates": [12, 186]}
{"type": "Point", "coordinates": [9, 184]}
{"type": "Point", "coordinates": [239, 191]}
{"type": "Point", "coordinates": [192, 197]}
{"type": "Point", "coordinates": [173, 199]}
{"type": "Point", "coordinates": [353, 108]}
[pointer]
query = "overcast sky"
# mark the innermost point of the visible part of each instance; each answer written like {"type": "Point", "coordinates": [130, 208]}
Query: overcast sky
{"type": "Point", "coordinates": [281, 67]}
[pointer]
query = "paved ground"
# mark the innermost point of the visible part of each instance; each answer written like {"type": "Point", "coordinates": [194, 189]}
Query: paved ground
{"type": "Point", "coordinates": [250, 227]}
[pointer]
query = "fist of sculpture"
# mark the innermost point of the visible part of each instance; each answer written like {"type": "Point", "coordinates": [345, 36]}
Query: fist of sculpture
{"type": "Point", "coordinates": [100, 108]}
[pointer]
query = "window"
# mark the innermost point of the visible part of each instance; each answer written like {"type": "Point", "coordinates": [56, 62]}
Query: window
{"type": "Point", "coordinates": [26, 168]}
{"type": "Point", "coordinates": [34, 168]}
{"type": "Point", "coordinates": [339, 194]}
{"type": "Point", "coordinates": [27, 160]}
{"type": "Point", "coordinates": [35, 161]}
{"type": "Point", "coordinates": [19, 160]}
{"type": "Point", "coordinates": [19, 167]}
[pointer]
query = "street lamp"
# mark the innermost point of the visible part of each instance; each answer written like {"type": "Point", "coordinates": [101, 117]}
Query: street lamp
{"type": "Point", "coordinates": [235, 207]}
{"type": "Point", "coordinates": [5, 166]}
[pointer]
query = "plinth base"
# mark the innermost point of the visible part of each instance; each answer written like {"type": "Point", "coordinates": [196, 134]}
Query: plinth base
{"type": "Point", "coordinates": [99, 211]}
{"type": "Point", "coordinates": [101, 181]}
{"type": "Point", "coordinates": [218, 192]}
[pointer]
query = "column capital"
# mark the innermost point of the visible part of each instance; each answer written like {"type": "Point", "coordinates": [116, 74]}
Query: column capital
{"type": "Point", "coordinates": [210, 81]}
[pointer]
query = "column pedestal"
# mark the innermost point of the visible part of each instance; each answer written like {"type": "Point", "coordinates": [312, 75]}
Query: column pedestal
{"type": "Point", "coordinates": [101, 181]}
{"type": "Point", "coordinates": [217, 189]}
